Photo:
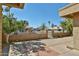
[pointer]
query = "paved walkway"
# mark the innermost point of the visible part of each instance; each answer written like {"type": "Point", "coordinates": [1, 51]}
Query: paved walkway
{"type": "Point", "coordinates": [61, 44]}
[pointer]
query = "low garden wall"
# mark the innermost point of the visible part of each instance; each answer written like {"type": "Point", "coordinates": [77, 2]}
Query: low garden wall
{"type": "Point", "coordinates": [28, 36]}
{"type": "Point", "coordinates": [59, 34]}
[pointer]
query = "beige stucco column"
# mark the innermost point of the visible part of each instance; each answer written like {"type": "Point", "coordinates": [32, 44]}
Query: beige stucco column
{"type": "Point", "coordinates": [76, 30]}
{"type": "Point", "coordinates": [0, 29]}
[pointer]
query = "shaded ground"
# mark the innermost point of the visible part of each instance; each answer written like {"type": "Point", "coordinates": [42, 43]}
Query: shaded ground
{"type": "Point", "coordinates": [5, 49]}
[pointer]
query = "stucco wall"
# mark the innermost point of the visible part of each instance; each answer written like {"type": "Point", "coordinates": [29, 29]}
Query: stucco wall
{"type": "Point", "coordinates": [76, 19]}
{"type": "Point", "coordinates": [76, 37]}
{"type": "Point", "coordinates": [76, 30]}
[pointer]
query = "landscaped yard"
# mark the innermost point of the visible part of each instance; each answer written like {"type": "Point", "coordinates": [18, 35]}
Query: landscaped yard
{"type": "Point", "coordinates": [48, 47]}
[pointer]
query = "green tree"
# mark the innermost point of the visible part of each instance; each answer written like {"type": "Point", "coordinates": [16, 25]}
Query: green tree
{"type": "Point", "coordinates": [6, 27]}
{"type": "Point", "coordinates": [63, 25]}
{"type": "Point", "coordinates": [10, 23]}
{"type": "Point", "coordinates": [67, 25]}
{"type": "Point", "coordinates": [20, 25]}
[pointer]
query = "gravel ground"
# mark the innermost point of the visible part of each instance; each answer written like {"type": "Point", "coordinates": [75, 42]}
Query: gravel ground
{"type": "Point", "coordinates": [31, 48]}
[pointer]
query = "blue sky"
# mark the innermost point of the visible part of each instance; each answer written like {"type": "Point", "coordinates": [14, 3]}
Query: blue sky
{"type": "Point", "coordinates": [39, 13]}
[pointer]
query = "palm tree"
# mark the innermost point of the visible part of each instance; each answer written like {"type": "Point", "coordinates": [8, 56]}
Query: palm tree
{"type": "Point", "coordinates": [52, 25]}
{"type": "Point", "coordinates": [49, 23]}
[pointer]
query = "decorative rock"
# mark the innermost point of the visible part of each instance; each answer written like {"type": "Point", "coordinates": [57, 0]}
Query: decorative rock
{"type": "Point", "coordinates": [28, 48]}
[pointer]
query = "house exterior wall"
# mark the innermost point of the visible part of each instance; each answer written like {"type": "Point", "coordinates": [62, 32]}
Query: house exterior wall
{"type": "Point", "coordinates": [73, 10]}
{"type": "Point", "coordinates": [76, 30]}
{"type": "Point", "coordinates": [76, 19]}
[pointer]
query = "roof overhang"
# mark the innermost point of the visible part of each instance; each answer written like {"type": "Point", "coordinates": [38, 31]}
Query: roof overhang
{"type": "Point", "coordinates": [16, 5]}
{"type": "Point", "coordinates": [69, 10]}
